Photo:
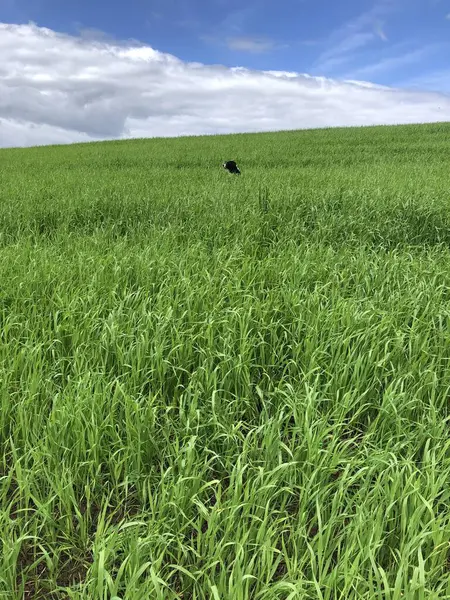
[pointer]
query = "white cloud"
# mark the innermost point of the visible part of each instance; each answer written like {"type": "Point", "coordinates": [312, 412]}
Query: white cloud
{"type": "Point", "coordinates": [243, 43]}
{"type": "Point", "coordinates": [248, 44]}
{"type": "Point", "coordinates": [56, 89]}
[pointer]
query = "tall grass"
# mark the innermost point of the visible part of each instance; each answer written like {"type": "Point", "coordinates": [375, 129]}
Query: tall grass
{"type": "Point", "coordinates": [227, 388]}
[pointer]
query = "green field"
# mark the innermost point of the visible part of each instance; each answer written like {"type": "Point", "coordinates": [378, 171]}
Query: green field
{"type": "Point", "coordinates": [227, 388]}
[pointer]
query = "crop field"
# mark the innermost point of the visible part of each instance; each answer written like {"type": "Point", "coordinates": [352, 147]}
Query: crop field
{"type": "Point", "coordinates": [220, 387]}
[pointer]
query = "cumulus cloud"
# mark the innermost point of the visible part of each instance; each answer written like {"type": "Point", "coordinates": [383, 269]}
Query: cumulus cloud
{"type": "Point", "coordinates": [57, 88]}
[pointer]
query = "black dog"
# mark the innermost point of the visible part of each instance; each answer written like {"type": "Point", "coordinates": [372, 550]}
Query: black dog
{"type": "Point", "coordinates": [231, 167]}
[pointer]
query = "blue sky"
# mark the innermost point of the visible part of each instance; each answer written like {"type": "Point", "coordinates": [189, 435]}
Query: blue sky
{"type": "Point", "coordinates": [390, 42]}
{"type": "Point", "coordinates": [84, 70]}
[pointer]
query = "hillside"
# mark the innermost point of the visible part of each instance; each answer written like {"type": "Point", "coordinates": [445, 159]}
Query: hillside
{"type": "Point", "coordinates": [222, 387]}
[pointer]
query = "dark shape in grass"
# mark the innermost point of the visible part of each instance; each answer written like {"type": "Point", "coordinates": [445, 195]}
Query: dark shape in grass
{"type": "Point", "coordinates": [231, 167]}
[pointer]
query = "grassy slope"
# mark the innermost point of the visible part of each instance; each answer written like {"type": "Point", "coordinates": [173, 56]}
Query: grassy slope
{"type": "Point", "coordinates": [223, 387]}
